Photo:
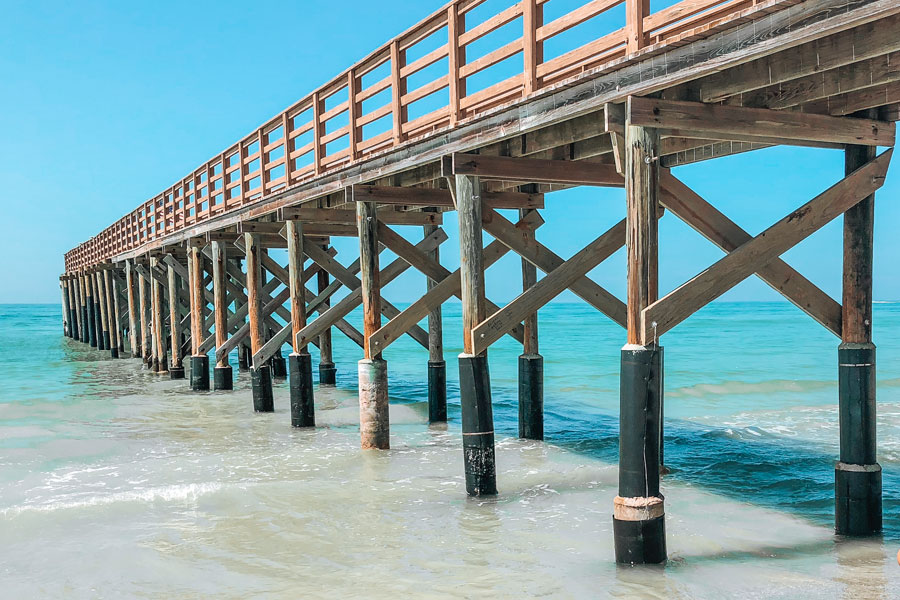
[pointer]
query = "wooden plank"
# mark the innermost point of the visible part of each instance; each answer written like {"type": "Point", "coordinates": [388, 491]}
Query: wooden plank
{"type": "Point", "coordinates": [438, 198]}
{"type": "Point", "coordinates": [348, 217]}
{"type": "Point", "coordinates": [695, 119]}
{"type": "Point", "coordinates": [537, 295]}
{"type": "Point", "coordinates": [727, 235]}
{"type": "Point", "coordinates": [641, 206]}
{"type": "Point", "coordinates": [679, 304]}
{"type": "Point", "coordinates": [547, 260]}
{"type": "Point", "coordinates": [536, 170]}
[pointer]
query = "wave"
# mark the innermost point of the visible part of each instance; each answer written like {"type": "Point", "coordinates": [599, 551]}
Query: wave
{"type": "Point", "coordinates": [770, 386]}
{"type": "Point", "coordinates": [170, 493]}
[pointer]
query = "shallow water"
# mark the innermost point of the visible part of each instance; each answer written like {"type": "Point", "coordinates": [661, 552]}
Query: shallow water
{"type": "Point", "coordinates": [117, 483]}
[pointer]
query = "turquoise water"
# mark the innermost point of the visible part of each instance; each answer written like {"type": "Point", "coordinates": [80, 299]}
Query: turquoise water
{"type": "Point", "coordinates": [115, 482]}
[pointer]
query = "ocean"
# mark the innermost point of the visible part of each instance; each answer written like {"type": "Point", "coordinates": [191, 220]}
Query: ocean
{"type": "Point", "coordinates": [118, 483]}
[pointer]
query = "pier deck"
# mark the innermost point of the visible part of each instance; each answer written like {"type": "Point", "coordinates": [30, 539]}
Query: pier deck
{"type": "Point", "coordinates": [478, 111]}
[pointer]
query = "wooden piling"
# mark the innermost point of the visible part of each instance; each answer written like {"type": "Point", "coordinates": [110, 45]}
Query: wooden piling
{"type": "Point", "coordinates": [858, 486]}
{"type": "Point", "coordinates": [117, 314]}
{"type": "Point", "coordinates": [531, 363]}
{"type": "Point", "coordinates": [134, 338]}
{"type": "Point", "coordinates": [437, 366]}
{"type": "Point", "coordinates": [86, 310]}
{"type": "Point", "coordinates": [474, 376]}
{"type": "Point", "coordinates": [301, 381]}
{"type": "Point", "coordinates": [261, 377]}
{"type": "Point", "coordinates": [199, 360]}
{"type": "Point", "coordinates": [66, 311]}
{"type": "Point", "coordinates": [176, 366]}
{"type": "Point", "coordinates": [223, 377]}
{"type": "Point", "coordinates": [374, 416]}
{"type": "Point", "coordinates": [111, 324]}
{"type": "Point", "coordinates": [160, 355]}
{"type": "Point", "coordinates": [146, 342]}
{"type": "Point", "coordinates": [102, 311]}
{"type": "Point", "coordinates": [639, 515]}
{"type": "Point", "coordinates": [327, 369]}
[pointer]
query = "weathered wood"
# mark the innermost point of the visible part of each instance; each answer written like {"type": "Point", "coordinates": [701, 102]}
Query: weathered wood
{"type": "Point", "coordinates": [348, 217]}
{"type": "Point", "coordinates": [547, 260]}
{"type": "Point", "coordinates": [679, 304]}
{"type": "Point", "coordinates": [134, 338]}
{"type": "Point", "coordinates": [197, 297]}
{"type": "Point", "coordinates": [537, 294]}
{"type": "Point", "coordinates": [859, 225]}
{"type": "Point", "coordinates": [297, 281]}
{"type": "Point", "coordinates": [435, 320]}
{"type": "Point", "coordinates": [534, 170]}
{"type": "Point", "coordinates": [174, 319]}
{"type": "Point", "coordinates": [530, 321]}
{"type": "Point", "coordinates": [471, 258]}
{"type": "Point", "coordinates": [440, 198]}
{"type": "Point", "coordinates": [160, 360]}
{"type": "Point", "coordinates": [695, 119]}
{"type": "Point", "coordinates": [641, 202]}
{"type": "Point", "coordinates": [143, 294]}
{"type": "Point", "coordinates": [324, 337]}
{"type": "Point", "coordinates": [220, 306]}
{"type": "Point", "coordinates": [254, 283]}
{"type": "Point", "coordinates": [353, 299]}
{"type": "Point", "coordinates": [367, 222]}
{"type": "Point", "coordinates": [727, 235]}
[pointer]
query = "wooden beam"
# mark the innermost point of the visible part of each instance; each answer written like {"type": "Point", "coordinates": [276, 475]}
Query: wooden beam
{"type": "Point", "coordinates": [220, 305]}
{"type": "Point", "coordinates": [174, 319]}
{"type": "Point", "coordinates": [547, 260]}
{"type": "Point", "coordinates": [370, 282]}
{"type": "Point", "coordinates": [856, 282]}
{"type": "Point", "coordinates": [695, 119]}
{"type": "Point", "coordinates": [533, 170]}
{"type": "Point", "coordinates": [538, 294]}
{"type": "Point", "coordinates": [641, 207]}
{"type": "Point", "coordinates": [679, 304]}
{"type": "Point", "coordinates": [438, 198]}
{"type": "Point", "coordinates": [296, 280]}
{"type": "Point", "coordinates": [348, 217]}
{"type": "Point", "coordinates": [727, 235]}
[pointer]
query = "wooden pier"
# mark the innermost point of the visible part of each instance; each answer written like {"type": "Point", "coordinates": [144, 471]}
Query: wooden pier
{"type": "Point", "coordinates": [187, 272]}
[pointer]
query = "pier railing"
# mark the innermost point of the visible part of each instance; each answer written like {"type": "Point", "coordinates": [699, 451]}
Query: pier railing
{"type": "Point", "coordinates": [453, 66]}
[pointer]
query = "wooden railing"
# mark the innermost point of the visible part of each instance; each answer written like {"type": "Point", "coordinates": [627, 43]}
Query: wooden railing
{"type": "Point", "coordinates": [421, 82]}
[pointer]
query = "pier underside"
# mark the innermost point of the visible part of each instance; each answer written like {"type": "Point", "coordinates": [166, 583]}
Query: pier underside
{"type": "Point", "coordinates": [176, 278]}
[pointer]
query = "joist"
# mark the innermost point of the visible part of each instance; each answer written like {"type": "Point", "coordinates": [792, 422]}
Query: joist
{"type": "Point", "coordinates": [727, 235]}
{"type": "Point", "coordinates": [695, 119]}
{"type": "Point", "coordinates": [554, 283]}
{"type": "Point", "coordinates": [533, 170]}
{"type": "Point", "coordinates": [354, 298]}
{"type": "Point", "coordinates": [547, 260]}
{"type": "Point", "coordinates": [679, 304]}
{"type": "Point", "coordinates": [311, 216]}
{"type": "Point", "coordinates": [440, 198]}
{"type": "Point", "coordinates": [272, 233]}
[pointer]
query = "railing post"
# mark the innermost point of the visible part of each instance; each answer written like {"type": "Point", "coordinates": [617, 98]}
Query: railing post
{"type": "Point", "coordinates": [635, 11]}
{"type": "Point", "coordinates": [398, 90]}
{"type": "Point", "coordinates": [532, 50]}
{"type": "Point", "coordinates": [457, 86]}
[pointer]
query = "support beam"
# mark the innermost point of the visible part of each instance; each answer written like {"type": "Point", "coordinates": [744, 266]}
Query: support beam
{"type": "Point", "coordinates": [327, 370]}
{"type": "Point", "coordinates": [639, 522]}
{"type": "Point", "coordinates": [261, 378]}
{"type": "Point", "coordinates": [547, 260]}
{"type": "Point", "coordinates": [727, 235]}
{"type": "Point", "coordinates": [144, 296]}
{"type": "Point", "coordinates": [857, 475]}
{"type": "Point", "coordinates": [160, 361]}
{"type": "Point", "coordinates": [716, 121]}
{"type": "Point", "coordinates": [531, 363]}
{"type": "Point", "coordinates": [134, 337]}
{"type": "Point", "coordinates": [176, 366]}
{"type": "Point", "coordinates": [301, 383]}
{"type": "Point", "coordinates": [533, 170]}
{"type": "Point", "coordinates": [223, 376]}
{"type": "Point", "coordinates": [438, 198]}
{"type": "Point", "coordinates": [348, 217]}
{"type": "Point", "coordinates": [374, 416]}
{"type": "Point", "coordinates": [437, 366]}
{"type": "Point", "coordinates": [103, 310]}
{"type": "Point", "coordinates": [679, 304]}
{"type": "Point", "coordinates": [474, 377]}
{"type": "Point", "coordinates": [198, 303]}
{"type": "Point", "coordinates": [112, 321]}
{"type": "Point", "coordinates": [538, 294]}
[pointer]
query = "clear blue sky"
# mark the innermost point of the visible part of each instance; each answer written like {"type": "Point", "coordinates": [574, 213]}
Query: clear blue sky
{"type": "Point", "coordinates": [104, 104]}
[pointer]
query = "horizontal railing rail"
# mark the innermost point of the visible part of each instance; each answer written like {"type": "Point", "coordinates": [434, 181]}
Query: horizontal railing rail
{"type": "Point", "coordinates": [450, 67]}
